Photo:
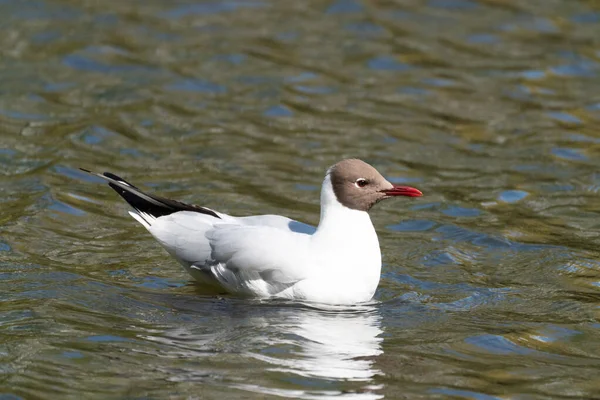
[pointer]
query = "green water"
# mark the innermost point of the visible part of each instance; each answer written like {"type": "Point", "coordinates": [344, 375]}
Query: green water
{"type": "Point", "coordinates": [491, 281]}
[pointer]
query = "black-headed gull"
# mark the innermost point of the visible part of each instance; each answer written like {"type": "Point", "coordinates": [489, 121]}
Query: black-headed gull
{"type": "Point", "coordinates": [339, 262]}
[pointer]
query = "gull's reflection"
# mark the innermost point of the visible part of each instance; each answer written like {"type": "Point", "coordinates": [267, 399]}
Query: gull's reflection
{"type": "Point", "coordinates": [337, 346]}
{"type": "Point", "coordinates": [288, 350]}
{"type": "Point", "coordinates": [331, 344]}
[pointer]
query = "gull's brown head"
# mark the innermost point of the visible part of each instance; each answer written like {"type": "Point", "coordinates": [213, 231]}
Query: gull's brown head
{"type": "Point", "coordinates": [359, 186]}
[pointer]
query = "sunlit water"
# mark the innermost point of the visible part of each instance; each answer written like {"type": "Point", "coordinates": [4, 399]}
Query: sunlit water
{"type": "Point", "coordinates": [491, 281]}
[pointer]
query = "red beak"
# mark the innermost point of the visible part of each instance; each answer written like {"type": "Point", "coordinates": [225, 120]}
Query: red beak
{"type": "Point", "coordinates": [402, 191]}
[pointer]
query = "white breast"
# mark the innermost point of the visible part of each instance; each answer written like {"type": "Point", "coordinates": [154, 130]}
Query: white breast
{"type": "Point", "coordinates": [345, 253]}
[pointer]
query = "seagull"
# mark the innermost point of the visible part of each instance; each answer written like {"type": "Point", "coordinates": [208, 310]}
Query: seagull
{"type": "Point", "coordinates": [272, 256]}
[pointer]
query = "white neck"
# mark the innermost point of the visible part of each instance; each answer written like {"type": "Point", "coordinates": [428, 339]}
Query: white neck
{"type": "Point", "coordinates": [346, 249]}
{"type": "Point", "coordinates": [341, 223]}
{"type": "Point", "coordinates": [346, 245]}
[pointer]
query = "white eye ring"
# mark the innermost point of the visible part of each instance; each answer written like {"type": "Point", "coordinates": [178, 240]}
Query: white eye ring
{"type": "Point", "coordinates": [361, 183]}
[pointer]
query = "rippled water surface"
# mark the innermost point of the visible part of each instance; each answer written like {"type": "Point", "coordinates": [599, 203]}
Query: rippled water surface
{"type": "Point", "coordinates": [491, 281]}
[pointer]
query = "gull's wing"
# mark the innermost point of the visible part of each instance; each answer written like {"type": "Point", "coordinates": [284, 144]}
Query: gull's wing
{"type": "Point", "coordinates": [201, 240]}
{"type": "Point", "coordinates": [253, 258]}
{"type": "Point", "coordinates": [261, 254]}
{"type": "Point", "coordinates": [266, 258]}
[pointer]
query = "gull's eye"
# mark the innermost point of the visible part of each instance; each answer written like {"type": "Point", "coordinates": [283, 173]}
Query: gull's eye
{"type": "Point", "coordinates": [361, 182]}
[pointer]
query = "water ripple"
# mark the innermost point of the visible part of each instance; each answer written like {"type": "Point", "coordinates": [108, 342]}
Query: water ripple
{"type": "Point", "coordinates": [490, 281]}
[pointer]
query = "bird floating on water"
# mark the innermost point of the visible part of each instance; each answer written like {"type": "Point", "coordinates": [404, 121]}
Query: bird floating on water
{"type": "Point", "coordinates": [338, 262]}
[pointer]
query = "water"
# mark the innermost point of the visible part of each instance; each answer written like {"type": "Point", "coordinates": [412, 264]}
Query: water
{"type": "Point", "coordinates": [491, 281]}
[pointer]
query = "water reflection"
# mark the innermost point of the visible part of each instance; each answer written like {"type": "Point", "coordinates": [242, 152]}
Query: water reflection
{"type": "Point", "coordinates": [302, 352]}
{"type": "Point", "coordinates": [331, 344]}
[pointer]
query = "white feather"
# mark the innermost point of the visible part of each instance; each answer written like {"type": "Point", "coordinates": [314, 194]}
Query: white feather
{"type": "Point", "coordinates": [143, 218]}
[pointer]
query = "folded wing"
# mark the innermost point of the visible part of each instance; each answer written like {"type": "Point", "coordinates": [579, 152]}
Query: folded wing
{"type": "Point", "coordinates": [263, 254]}
{"type": "Point", "coordinates": [258, 258]}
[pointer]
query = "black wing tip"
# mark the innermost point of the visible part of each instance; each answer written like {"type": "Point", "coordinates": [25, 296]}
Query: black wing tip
{"type": "Point", "coordinates": [157, 207]}
{"type": "Point", "coordinates": [107, 174]}
{"type": "Point", "coordinates": [117, 178]}
{"type": "Point", "coordinates": [113, 176]}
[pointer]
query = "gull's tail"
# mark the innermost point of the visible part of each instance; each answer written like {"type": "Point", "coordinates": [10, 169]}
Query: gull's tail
{"type": "Point", "coordinates": [148, 207]}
